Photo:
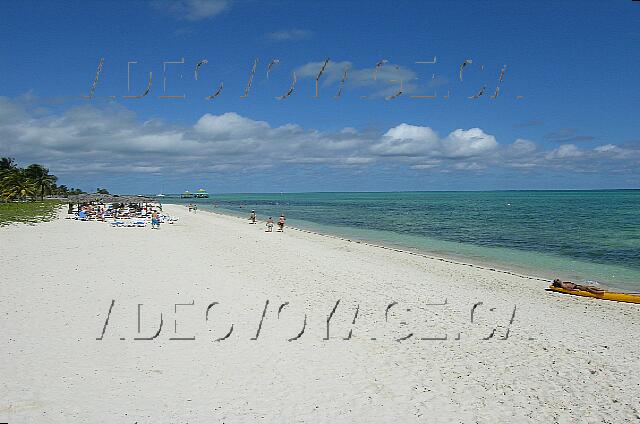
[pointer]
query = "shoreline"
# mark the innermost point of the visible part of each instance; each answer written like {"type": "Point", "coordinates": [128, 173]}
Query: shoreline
{"type": "Point", "coordinates": [587, 240]}
{"type": "Point", "coordinates": [533, 264]}
{"type": "Point", "coordinates": [458, 259]}
{"type": "Point", "coordinates": [427, 255]}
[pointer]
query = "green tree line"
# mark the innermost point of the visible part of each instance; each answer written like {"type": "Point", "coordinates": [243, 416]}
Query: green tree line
{"type": "Point", "coordinates": [30, 183]}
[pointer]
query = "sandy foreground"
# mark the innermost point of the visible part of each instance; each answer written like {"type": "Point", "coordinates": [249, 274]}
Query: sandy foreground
{"type": "Point", "coordinates": [174, 359]}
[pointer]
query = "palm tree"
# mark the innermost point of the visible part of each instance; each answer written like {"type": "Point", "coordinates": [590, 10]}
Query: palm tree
{"type": "Point", "coordinates": [62, 190]}
{"type": "Point", "coordinates": [15, 185]}
{"type": "Point", "coordinates": [39, 175]}
{"type": "Point", "coordinates": [7, 163]}
{"type": "Point", "coordinates": [5, 181]}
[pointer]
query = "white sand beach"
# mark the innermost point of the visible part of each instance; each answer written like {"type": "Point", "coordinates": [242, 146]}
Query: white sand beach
{"type": "Point", "coordinates": [558, 359]}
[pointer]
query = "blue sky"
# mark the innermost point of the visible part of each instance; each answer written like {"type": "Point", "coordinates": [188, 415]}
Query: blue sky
{"type": "Point", "coordinates": [575, 64]}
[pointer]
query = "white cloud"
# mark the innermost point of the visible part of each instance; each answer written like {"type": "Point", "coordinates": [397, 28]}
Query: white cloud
{"type": "Point", "coordinates": [469, 143]}
{"type": "Point", "coordinates": [192, 10]}
{"type": "Point", "coordinates": [411, 140]}
{"type": "Point", "coordinates": [618, 153]}
{"type": "Point", "coordinates": [385, 81]}
{"type": "Point", "coordinates": [607, 148]}
{"type": "Point", "coordinates": [469, 166]}
{"type": "Point", "coordinates": [229, 125]}
{"type": "Point", "coordinates": [565, 151]}
{"type": "Point", "coordinates": [427, 164]}
{"type": "Point", "coordinates": [522, 147]}
{"type": "Point", "coordinates": [110, 140]}
{"type": "Point", "coordinates": [289, 35]}
{"type": "Point", "coordinates": [407, 140]}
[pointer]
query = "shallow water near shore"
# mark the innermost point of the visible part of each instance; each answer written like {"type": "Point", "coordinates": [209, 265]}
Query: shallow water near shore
{"type": "Point", "coordinates": [586, 236]}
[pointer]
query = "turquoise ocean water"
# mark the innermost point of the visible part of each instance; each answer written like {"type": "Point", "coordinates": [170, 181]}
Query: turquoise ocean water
{"type": "Point", "coordinates": [578, 235]}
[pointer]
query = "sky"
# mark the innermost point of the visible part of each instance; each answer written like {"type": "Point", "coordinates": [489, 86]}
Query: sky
{"type": "Point", "coordinates": [564, 116]}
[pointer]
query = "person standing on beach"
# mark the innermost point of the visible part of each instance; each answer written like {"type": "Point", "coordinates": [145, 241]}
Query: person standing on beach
{"type": "Point", "coordinates": [252, 217]}
{"type": "Point", "coordinates": [281, 223]}
{"type": "Point", "coordinates": [155, 221]}
{"type": "Point", "coordinates": [270, 225]}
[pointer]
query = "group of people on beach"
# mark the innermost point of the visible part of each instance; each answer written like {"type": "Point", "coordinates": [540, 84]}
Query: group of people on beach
{"type": "Point", "coordinates": [192, 207]}
{"type": "Point", "coordinates": [121, 214]}
{"type": "Point", "coordinates": [269, 223]}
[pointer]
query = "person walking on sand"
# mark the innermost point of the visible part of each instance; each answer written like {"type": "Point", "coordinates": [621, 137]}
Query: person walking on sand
{"type": "Point", "coordinates": [281, 223]}
{"type": "Point", "coordinates": [252, 217]}
{"type": "Point", "coordinates": [155, 221]}
{"type": "Point", "coordinates": [270, 225]}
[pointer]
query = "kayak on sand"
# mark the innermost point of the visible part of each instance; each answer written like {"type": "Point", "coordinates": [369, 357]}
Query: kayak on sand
{"type": "Point", "coordinates": [618, 297]}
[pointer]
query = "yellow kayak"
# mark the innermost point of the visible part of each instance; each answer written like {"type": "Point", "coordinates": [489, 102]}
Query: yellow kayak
{"type": "Point", "coordinates": [618, 297]}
